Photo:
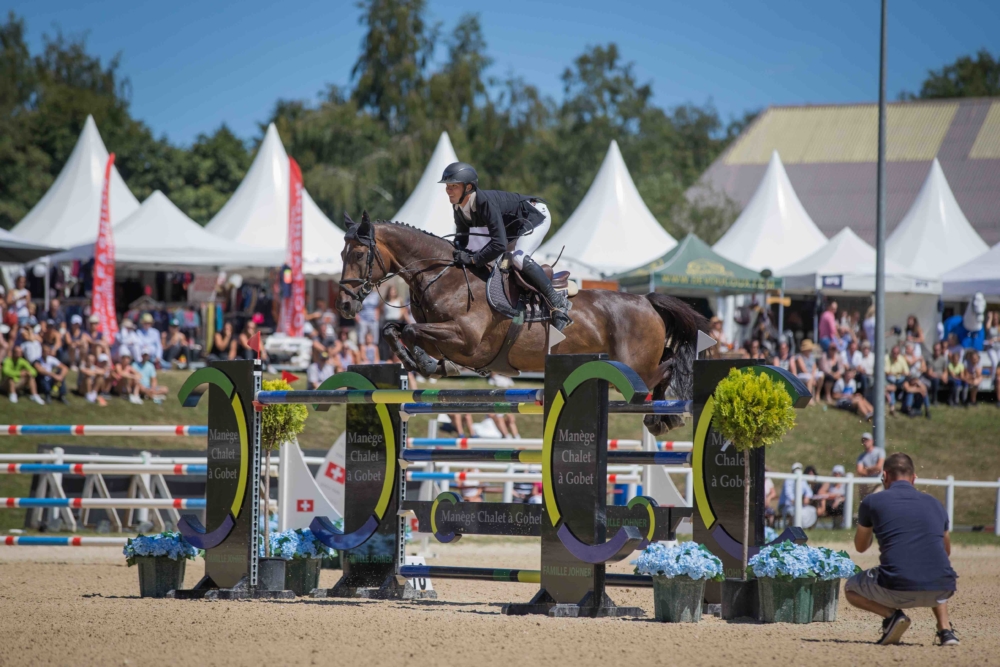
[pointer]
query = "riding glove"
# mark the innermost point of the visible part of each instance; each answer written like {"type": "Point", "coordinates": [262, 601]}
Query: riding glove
{"type": "Point", "coordinates": [464, 258]}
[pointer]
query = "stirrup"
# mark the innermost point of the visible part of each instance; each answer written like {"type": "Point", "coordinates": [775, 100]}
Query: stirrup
{"type": "Point", "coordinates": [560, 320]}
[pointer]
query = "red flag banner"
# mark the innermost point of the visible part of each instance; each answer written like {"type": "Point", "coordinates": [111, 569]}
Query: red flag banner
{"type": "Point", "coordinates": [103, 299]}
{"type": "Point", "coordinates": [289, 377]}
{"type": "Point", "coordinates": [293, 308]}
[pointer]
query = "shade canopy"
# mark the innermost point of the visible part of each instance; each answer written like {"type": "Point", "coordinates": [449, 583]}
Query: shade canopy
{"type": "Point", "coordinates": [69, 213]}
{"type": "Point", "coordinates": [427, 207]}
{"type": "Point", "coordinates": [982, 274]}
{"type": "Point", "coordinates": [693, 265]}
{"type": "Point", "coordinates": [159, 236]}
{"type": "Point", "coordinates": [611, 230]}
{"type": "Point", "coordinates": [15, 251]}
{"type": "Point", "coordinates": [774, 230]}
{"type": "Point", "coordinates": [257, 213]}
{"type": "Point", "coordinates": [934, 236]}
{"type": "Point", "coordinates": [847, 264]}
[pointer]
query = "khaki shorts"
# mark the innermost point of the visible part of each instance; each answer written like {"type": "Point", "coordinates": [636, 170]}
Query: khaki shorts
{"type": "Point", "coordinates": [866, 585]}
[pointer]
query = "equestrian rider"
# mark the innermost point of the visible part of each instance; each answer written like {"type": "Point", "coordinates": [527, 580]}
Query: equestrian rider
{"type": "Point", "coordinates": [488, 219]}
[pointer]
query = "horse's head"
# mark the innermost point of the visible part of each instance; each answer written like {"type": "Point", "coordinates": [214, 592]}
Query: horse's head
{"type": "Point", "coordinates": [363, 268]}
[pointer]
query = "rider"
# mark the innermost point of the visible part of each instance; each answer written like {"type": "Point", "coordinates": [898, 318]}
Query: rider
{"type": "Point", "coordinates": [487, 219]}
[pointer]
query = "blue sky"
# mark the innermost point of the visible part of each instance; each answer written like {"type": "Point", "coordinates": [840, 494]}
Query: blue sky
{"type": "Point", "coordinates": [196, 65]}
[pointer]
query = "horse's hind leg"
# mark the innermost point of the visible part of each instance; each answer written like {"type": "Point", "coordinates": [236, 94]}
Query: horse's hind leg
{"type": "Point", "coordinates": [392, 333]}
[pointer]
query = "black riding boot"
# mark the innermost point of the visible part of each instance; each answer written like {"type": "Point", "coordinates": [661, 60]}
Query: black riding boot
{"type": "Point", "coordinates": [557, 301]}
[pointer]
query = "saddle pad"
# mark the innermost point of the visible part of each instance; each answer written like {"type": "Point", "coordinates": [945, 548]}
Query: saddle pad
{"type": "Point", "coordinates": [535, 309]}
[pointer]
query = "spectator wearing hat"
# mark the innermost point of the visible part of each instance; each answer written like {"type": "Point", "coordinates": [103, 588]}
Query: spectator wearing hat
{"type": "Point", "coordinates": [146, 369]}
{"type": "Point", "coordinates": [176, 349]}
{"type": "Point", "coordinates": [321, 369]}
{"type": "Point", "coordinates": [91, 379]}
{"type": "Point", "coordinates": [74, 347]}
{"type": "Point", "coordinates": [829, 498]}
{"type": "Point", "coordinates": [869, 463]}
{"type": "Point", "coordinates": [51, 376]}
{"type": "Point", "coordinates": [914, 545]}
{"type": "Point", "coordinates": [804, 366]}
{"type": "Point", "coordinates": [126, 340]}
{"type": "Point", "coordinates": [18, 374]}
{"type": "Point", "coordinates": [786, 502]}
{"type": "Point", "coordinates": [127, 379]}
{"type": "Point", "coordinates": [149, 339]}
{"type": "Point", "coordinates": [97, 342]}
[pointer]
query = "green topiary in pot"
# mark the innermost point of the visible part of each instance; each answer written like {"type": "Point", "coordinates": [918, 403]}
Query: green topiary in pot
{"type": "Point", "coordinates": [278, 424]}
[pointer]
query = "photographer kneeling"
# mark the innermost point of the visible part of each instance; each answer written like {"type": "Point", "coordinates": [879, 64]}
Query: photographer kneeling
{"type": "Point", "coordinates": [914, 546]}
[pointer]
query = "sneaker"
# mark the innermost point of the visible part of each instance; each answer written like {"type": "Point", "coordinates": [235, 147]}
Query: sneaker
{"type": "Point", "coordinates": [134, 400]}
{"type": "Point", "coordinates": [893, 628]}
{"type": "Point", "coordinates": [13, 397]}
{"type": "Point", "coordinates": [947, 637]}
{"type": "Point", "coordinates": [157, 400]}
{"type": "Point", "coordinates": [91, 397]}
{"type": "Point", "coordinates": [38, 399]}
{"type": "Point", "coordinates": [64, 400]}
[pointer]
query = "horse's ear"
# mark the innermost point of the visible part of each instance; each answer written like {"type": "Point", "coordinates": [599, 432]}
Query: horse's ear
{"type": "Point", "coordinates": [365, 228]}
{"type": "Point", "coordinates": [364, 218]}
{"type": "Point", "coordinates": [348, 222]}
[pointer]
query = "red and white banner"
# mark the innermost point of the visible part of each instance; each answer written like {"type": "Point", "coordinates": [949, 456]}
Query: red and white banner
{"type": "Point", "coordinates": [103, 299]}
{"type": "Point", "coordinates": [293, 309]}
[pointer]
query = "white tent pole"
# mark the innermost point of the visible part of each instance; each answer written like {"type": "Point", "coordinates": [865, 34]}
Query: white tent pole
{"type": "Point", "coordinates": [781, 314]}
{"type": "Point", "coordinates": [48, 270]}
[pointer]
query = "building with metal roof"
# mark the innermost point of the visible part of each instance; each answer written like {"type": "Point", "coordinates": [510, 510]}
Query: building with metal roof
{"type": "Point", "coordinates": [830, 151]}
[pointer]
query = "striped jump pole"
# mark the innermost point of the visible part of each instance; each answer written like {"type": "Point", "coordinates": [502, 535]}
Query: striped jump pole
{"type": "Point", "coordinates": [527, 456]}
{"type": "Point", "coordinates": [101, 429]}
{"type": "Point", "coordinates": [103, 469]}
{"type": "Point", "coordinates": [517, 443]}
{"type": "Point", "coordinates": [488, 477]}
{"type": "Point", "coordinates": [480, 573]}
{"type": "Point", "coordinates": [472, 408]}
{"type": "Point", "coordinates": [52, 541]}
{"type": "Point", "coordinates": [400, 396]}
{"type": "Point", "coordinates": [107, 503]}
{"type": "Point", "coordinates": [666, 407]}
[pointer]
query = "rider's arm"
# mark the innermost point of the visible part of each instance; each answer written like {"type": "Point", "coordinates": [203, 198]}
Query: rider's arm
{"type": "Point", "coordinates": [498, 234]}
{"type": "Point", "coordinates": [461, 232]}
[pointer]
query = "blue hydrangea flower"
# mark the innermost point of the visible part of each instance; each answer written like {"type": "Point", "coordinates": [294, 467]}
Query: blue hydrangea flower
{"type": "Point", "coordinates": [684, 559]}
{"type": "Point", "coordinates": [171, 545]}
{"type": "Point", "coordinates": [298, 543]}
{"type": "Point", "coordinates": [770, 534]}
{"type": "Point", "coordinates": [784, 561]}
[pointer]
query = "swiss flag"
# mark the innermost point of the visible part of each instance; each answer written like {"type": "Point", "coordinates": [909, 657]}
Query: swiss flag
{"type": "Point", "coordinates": [304, 506]}
{"type": "Point", "coordinates": [335, 472]}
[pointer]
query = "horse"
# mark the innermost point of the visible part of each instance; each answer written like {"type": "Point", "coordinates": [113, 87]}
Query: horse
{"type": "Point", "coordinates": [656, 335]}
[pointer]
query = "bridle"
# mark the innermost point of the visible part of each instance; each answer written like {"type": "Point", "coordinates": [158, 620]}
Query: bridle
{"type": "Point", "coordinates": [367, 285]}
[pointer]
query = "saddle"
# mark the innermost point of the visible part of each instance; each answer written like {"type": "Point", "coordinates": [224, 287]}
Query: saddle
{"type": "Point", "coordinates": [510, 295]}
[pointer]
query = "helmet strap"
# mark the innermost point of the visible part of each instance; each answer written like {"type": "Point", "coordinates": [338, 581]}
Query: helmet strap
{"type": "Point", "coordinates": [470, 188]}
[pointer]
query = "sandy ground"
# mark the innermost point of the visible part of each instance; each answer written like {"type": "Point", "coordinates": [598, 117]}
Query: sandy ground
{"type": "Point", "coordinates": [80, 606]}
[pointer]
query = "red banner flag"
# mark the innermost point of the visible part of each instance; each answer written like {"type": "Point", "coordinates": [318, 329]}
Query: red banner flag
{"type": "Point", "coordinates": [103, 298]}
{"type": "Point", "coordinates": [289, 377]}
{"type": "Point", "coordinates": [293, 308]}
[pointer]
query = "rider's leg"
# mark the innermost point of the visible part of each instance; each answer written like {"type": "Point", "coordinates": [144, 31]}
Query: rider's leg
{"type": "Point", "coordinates": [533, 273]}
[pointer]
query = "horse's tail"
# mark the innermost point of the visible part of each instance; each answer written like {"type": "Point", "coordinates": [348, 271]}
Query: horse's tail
{"type": "Point", "coordinates": [680, 347]}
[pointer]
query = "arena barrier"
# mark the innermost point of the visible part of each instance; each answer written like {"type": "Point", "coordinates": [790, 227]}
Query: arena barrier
{"type": "Point", "coordinates": [579, 533]}
{"type": "Point", "coordinates": [70, 541]}
{"type": "Point", "coordinates": [98, 429]}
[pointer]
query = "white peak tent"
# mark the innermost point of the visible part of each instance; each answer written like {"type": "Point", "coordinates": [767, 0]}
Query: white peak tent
{"type": "Point", "coordinates": [774, 230]}
{"type": "Point", "coordinates": [427, 206]}
{"type": "Point", "coordinates": [982, 274]}
{"type": "Point", "coordinates": [69, 213]}
{"type": "Point", "coordinates": [611, 231]}
{"type": "Point", "coordinates": [934, 236]}
{"type": "Point", "coordinates": [257, 213]}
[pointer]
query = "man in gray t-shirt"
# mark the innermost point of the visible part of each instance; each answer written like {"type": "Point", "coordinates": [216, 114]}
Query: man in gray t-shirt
{"type": "Point", "coordinates": [869, 464]}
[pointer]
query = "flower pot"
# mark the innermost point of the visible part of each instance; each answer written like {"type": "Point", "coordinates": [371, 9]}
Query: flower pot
{"type": "Point", "coordinates": [302, 575]}
{"type": "Point", "coordinates": [785, 601]}
{"type": "Point", "coordinates": [159, 575]}
{"type": "Point", "coordinates": [270, 574]}
{"type": "Point", "coordinates": [739, 599]}
{"type": "Point", "coordinates": [678, 599]}
{"type": "Point", "coordinates": [825, 597]}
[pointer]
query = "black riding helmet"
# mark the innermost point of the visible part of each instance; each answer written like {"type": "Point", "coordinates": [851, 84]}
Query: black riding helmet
{"type": "Point", "coordinates": [460, 172]}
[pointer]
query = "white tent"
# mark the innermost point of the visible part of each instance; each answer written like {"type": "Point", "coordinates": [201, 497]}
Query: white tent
{"type": "Point", "coordinates": [846, 263]}
{"type": "Point", "coordinates": [257, 213]}
{"type": "Point", "coordinates": [982, 274]}
{"type": "Point", "coordinates": [69, 213]}
{"type": "Point", "coordinates": [774, 230]}
{"type": "Point", "coordinates": [159, 236]}
{"type": "Point", "coordinates": [934, 236]}
{"type": "Point", "coordinates": [612, 230]}
{"type": "Point", "coordinates": [427, 206]}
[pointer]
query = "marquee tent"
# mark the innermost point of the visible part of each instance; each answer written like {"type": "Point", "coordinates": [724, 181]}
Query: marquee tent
{"type": "Point", "coordinates": [428, 207]}
{"type": "Point", "coordinates": [257, 213]}
{"type": "Point", "coordinates": [693, 266]}
{"type": "Point", "coordinates": [774, 230]}
{"type": "Point", "coordinates": [612, 230]}
{"type": "Point", "coordinates": [158, 236]}
{"type": "Point", "coordinates": [15, 251]}
{"type": "Point", "coordinates": [934, 236]}
{"type": "Point", "coordinates": [69, 213]}
{"type": "Point", "coordinates": [982, 274]}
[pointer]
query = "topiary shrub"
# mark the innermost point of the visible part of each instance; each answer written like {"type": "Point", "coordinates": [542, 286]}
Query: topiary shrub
{"type": "Point", "coordinates": [278, 424]}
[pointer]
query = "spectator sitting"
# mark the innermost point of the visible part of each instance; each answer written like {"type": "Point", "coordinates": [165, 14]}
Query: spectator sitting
{"type": "Point", "coordinates": [223, 343]}
{"type": "Point", "coordinates": [19, 298]}
{"type": "Point", "coordinates": [149, 339]}
{"type": "Point", "coordinates": [96, 341]}
{"type": "Point", "coordinates": [127, 340]}
{"type": "Point", "coordinates": [309, 331]}
{"type": "Point", "coordinates": [833, 370]}
{"type": "Point", "coordinates": [51, 376]}
{"type": "Point", "coordinates": [243, 349]}
{"type": "Point", "coordinates": [507, 425]}
{"type": "Point", "coordinates": [845, 393]}
{"type": "Point", "coordinates": [954, 346]}
{"type": "Point", "coordinates": [74, 348]}
{"type": "Point", "coordinates": [804, 366]}
{"type": "Point", "coordinates": [341, 355]}
{"type": "Point", "coordinates": [865, 368]}
{"type": "Point", "coordinates": [18, 374]}
{"type": "Point", "coordinates": [915, 335]}
{"type": "Point", "coordinates": [368, 317]}
{"type": "Point", "coordinates": [90, 381]}
{"type": "Point", "coordinates": [716, 332]}
{"type": "Point", "coordinates": [828, 326]}
{"type": "Point", "coordinates": [786, 503]}
{"type": "Point", "coordinates": [868, 325]}
{"type": "Point", "coordinates": [784, 357]}
{"type": "Point", "coordinates": [55, 315]}
{"type": "Point", "coordinates": [30, 344]}
{"type": "Point", "coordinates": [973, 375]}
{"type": "Point", "coordinates": [148, 386]}
{"type": "Point", "coordinates": [770, 496]}
{"type": "Point", "coordinates": [369, 351]}
{"type": "Point", "coordinates": [909, 353]}
{"type": "Point", "coordinates": [851, 357]}
{"type": "Point", "coordinates": [896, 370]}
{"type": "Point", "coordinates": [935, 372]}
{"type": "Point", "coordinates": [829, 498]}
{"type": "Point", "coordinates": [50, 334]}
{"type": "Point", "coordinates": [869, 463]}
{"type": "Point", "coordinates": [322, 368]}
{"type": "Point", "coordinates": [126, 378]}
{"type": "Point", "coordinates": [915, 392]}
{"type": "Point", "coordinates": [914, 547]}
{"type": "Point", "coordinates": [958, 390]}
{"type": "Point", "coordinates": [176, 348]}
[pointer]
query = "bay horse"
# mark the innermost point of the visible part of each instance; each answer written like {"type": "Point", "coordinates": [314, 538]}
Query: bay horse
{"type": "Point", "coordinates": [656, 335]}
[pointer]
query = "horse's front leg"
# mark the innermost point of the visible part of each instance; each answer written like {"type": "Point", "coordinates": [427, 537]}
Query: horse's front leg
{"type": "Point", "coordinates": [435, 336]}
{"type": "Point", "coordinates": [393, 334]}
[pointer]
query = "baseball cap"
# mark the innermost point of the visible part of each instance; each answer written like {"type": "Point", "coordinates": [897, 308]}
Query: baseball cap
{"type": "Point", "coordinates": [867, 436]}
{"type": "Point", "coordinates": [102, 357]}
{"type": "Point", "coordinates": [146, 317]}
{"type": "Point", "coordinates": [128, 324]}
{"type": "Point", "coordinates": [76, 319]}
{"type": "Point", "coordinates": [95, 319]}
{"type": "Point", "coordinates": [796, 467]}
{"type": "Point", "coordinates": [838, 469]}
{"type": "Point", "coordinates": [174, 322]}
{"type": "Point", "coordinates": [125, 353]}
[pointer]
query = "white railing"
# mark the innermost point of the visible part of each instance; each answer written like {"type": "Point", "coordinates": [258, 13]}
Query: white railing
{"type": "Point", "coordinates": [849, 481]}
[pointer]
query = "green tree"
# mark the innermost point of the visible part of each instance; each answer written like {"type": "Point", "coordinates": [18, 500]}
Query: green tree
{"type": "Point", "coordinates": [211, 171]}
{"type": "Point", "coordinates": [966, 77]}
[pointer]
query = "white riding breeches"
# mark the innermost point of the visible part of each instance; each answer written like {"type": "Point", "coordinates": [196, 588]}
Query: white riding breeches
{"type": "Point", "coordinates": [525, 245]}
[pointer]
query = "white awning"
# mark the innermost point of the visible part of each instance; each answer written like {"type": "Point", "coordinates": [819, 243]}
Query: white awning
{"type": "Point", "coordinates": [982, 274]}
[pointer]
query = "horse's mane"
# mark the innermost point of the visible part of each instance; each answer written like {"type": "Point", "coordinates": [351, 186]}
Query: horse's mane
{"type": "Point", "coordinates": [397, 223]}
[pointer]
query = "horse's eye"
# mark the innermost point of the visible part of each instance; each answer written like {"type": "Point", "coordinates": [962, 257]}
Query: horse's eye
{"type": "Point", "coordinates": [359, 254]}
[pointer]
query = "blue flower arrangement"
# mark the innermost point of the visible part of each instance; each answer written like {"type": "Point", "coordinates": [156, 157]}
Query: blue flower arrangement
{"type": "Point", "coordinates": [687, 559]}
{"type": "Point", "coordinates": [171, 545]}
{"type": "Point", "coordinates": [770, 534]}
{"type": "Point", "coordinates": [829, 564]}
{"type": "Point", "coordinates": [298, 543]}
{"type": "Point", "coordinates": [787, 561]}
